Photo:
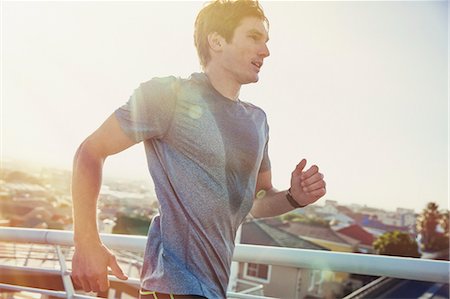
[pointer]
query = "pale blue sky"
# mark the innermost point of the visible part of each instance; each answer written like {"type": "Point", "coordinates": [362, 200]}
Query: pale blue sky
{"type": "Point", "coordinates": [360, 88]}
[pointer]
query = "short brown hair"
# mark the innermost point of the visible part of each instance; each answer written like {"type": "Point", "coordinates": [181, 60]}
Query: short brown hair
{"type": "Point", "coordinates": [222, 16]}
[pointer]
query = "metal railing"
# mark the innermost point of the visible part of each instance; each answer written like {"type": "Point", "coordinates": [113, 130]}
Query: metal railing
{"type": "Point", "coordinates": [366, 264]}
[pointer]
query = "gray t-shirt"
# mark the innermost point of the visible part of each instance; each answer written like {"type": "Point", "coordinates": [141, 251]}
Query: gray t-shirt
{"type": "Point", "coordinates": [204, 153]}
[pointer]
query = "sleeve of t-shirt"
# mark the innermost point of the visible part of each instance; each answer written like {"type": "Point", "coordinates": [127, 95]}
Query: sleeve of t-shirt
{"type": "Point", "coordinates": [149, 111]}
{"type": "Point", "coordinates": [265, 163]}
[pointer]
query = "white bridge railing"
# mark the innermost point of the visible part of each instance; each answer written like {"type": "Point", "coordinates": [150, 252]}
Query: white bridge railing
{"type": "Point", "coordinates": [367, 264]}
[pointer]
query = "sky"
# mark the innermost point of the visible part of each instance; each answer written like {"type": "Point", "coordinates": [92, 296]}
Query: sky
{"type": "Point", "coordinates": [358, 88]}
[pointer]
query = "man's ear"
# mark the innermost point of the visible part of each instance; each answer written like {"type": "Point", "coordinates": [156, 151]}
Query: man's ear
{"type": "Point", "coordinates": [215, 41]}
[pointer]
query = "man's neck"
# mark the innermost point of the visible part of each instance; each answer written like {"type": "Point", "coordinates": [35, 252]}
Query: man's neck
{"type": "Point", "coordinates": [225, 85]}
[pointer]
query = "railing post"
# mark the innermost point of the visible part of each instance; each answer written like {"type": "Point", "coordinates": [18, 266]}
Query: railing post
{"type": "Point", "coordinates": [68, 285]}
{"type": "Point", "coordinates": [28, 255]}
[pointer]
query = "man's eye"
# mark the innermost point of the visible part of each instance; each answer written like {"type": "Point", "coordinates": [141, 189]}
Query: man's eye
{"type": "Point", "coordinates": [254, 37]}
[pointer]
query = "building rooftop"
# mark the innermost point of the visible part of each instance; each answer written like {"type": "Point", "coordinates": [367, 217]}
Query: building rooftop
{"type": "Point", "coordinates": [357, 232]}
{"type": "Point", "coordinates": [307, 230]}
{"type": "Point", "coordinates": [258, 232]}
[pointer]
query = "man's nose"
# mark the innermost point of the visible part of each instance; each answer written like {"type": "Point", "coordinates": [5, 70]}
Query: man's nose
{"type": "Point", "coordinates": [264, 52]}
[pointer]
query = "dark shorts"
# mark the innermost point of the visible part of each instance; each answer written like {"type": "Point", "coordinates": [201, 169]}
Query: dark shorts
{"type": "Point", "coordinates": [145, 294]}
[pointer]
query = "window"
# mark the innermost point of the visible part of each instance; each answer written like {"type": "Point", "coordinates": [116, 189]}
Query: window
{"type": "Point", "coordinates": [257, 272]}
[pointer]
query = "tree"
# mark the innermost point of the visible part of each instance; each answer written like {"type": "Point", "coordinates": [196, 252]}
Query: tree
{"type": "Point", "coordinates": [396, 243]}
{"type": "Point", "coordinates": [427, 223]}
{"type": "Point", "coordinates": [131, 224]}
{"type": "Point", "coordinates": [444, 222]}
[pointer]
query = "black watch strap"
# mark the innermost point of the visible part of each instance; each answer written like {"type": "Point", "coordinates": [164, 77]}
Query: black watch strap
{"type": "Point", "coordinates": [292, 201]}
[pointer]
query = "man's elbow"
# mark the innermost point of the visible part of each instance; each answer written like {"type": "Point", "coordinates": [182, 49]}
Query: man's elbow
{"type": "Point", "coordinates": [88, 151]}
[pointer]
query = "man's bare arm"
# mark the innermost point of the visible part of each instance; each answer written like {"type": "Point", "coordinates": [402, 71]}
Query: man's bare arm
{"type": "Point", "coordinates": [91, 258]}
{"type": "Point", "coordinates": [306, 188]}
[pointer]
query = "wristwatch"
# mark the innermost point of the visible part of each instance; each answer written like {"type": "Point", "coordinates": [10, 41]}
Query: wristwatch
{"type": "Point", "coordinates": [292, 201]}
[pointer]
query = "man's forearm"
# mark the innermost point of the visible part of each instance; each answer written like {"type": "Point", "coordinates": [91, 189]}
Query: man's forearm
{"type": "Point", "coordinates": [270, 203]}
{"type": "Point", "coordinates": [86, 182]}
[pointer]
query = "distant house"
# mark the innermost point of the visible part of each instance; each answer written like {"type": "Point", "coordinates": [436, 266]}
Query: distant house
{"type": "Point", "coordinates": [336, 215]}
{"type": "Point", "coordinates": [356, 232]}
{"type": "Point", "coordinates": [279, 281]}
{"type": "Point", "coordinates": [407, 217]}
{"type": "Point", "coordinates": [330, 207]}
{"type": "Point", "coordinates": [321, 235]}
{"type": "Point", "coordinates": [376, 227]}
{"type": "Point", "coordinates": [338, 220]}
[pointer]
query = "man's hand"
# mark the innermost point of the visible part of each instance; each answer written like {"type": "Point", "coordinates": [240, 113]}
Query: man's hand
{"type": "Point", "coordinates": [307, 186]}
{"type": "Point", "coordinates": [90, 264]}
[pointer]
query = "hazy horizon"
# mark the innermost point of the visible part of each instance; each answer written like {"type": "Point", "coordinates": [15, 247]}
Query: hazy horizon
{"type": "Point", "coordinates": [358, 88]}
{"type": "Point", "coordinates": [26, 166]}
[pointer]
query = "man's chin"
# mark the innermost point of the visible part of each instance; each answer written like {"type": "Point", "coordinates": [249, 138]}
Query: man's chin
{"type": "Point", "coordinates": [249, 80]}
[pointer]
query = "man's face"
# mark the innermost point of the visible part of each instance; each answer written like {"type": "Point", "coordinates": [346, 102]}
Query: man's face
{"type": "Point", "coordinates": [243, 57]}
